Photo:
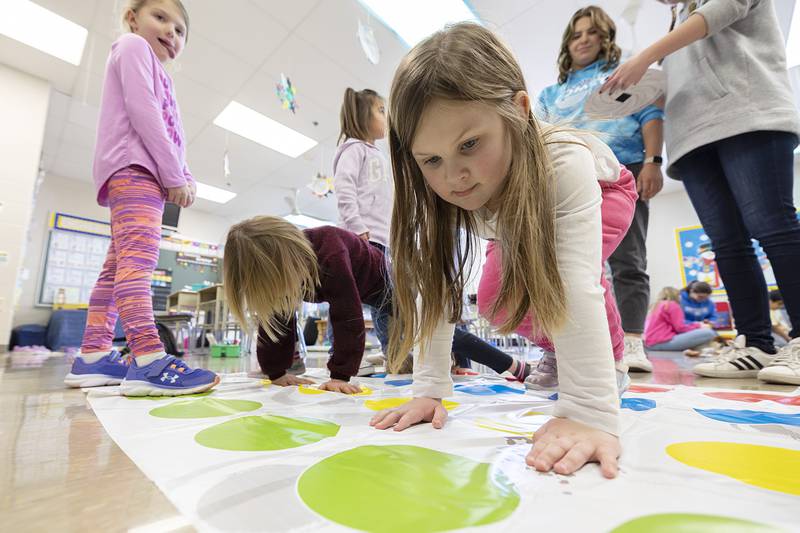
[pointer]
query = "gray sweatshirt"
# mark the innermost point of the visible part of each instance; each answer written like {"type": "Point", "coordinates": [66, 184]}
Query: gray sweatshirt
{"type": "Point", "coordinates": [362, 181]}
{"type": "Point", "coordinates": [733, 81]}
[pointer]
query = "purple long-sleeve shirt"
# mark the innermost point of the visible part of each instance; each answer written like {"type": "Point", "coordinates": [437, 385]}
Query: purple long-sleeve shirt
{"type": "Point", "coordinates": [363, 183]}
{"type": "Point", "coordinates": [351, 272]}
{"type": "Point", "coordinates": [139, 119]}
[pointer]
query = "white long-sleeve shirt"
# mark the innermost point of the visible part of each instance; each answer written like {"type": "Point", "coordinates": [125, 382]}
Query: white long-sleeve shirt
{"type": "Point", "coordinates": [587, 379]}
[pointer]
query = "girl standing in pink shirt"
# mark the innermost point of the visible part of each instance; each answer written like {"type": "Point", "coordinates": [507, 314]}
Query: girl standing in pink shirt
{"type": "Point", "coordinates": [666, 328]}
{"type": "Point", "coordinates": [140, 161]}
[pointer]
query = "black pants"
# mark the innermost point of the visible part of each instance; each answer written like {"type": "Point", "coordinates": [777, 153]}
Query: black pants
{"type": "Point", "coordinates": [467, 346]}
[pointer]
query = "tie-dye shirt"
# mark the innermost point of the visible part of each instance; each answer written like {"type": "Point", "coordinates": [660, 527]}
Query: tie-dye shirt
{"type": "Point", "coordinates": [563, 103]}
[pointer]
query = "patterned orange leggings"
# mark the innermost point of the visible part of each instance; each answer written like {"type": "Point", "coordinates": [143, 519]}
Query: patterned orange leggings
{"type": "Point", "coordinates": [123, 287]}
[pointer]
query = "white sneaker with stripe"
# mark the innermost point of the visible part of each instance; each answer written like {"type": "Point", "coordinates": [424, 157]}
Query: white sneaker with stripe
{"type": "Point", "coordinates": [785, 368]}
{"type": "Point", "coordinates": [735, 361]}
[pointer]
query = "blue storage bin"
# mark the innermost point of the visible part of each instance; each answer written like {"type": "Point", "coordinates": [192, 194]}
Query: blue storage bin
{"type": "Point", "coordinates": [27, 335]}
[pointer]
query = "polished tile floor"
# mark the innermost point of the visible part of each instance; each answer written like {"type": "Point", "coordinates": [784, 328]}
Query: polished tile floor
{"type": "Point", "coordinates": [60, 471]}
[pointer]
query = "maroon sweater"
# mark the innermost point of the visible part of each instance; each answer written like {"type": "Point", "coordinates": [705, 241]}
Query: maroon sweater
{"type": "Point", "coordinates": [352, 272]}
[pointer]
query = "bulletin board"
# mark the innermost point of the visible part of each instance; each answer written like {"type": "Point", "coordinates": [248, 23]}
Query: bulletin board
{"type": "Point", "coordinates": [696, 259]}
{"type": "Point", "coordinates": [76, 249]}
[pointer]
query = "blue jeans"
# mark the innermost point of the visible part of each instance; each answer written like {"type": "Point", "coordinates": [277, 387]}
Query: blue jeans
{"type": "Point", "coordinates": [741, 187]}
{"type": "Point", "coordinates": [685, 341]}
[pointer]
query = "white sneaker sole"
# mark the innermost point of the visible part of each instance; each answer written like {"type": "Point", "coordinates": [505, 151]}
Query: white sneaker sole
{"type": "Point", "coordinates": [729, 374]}
{"type": "Point", "coordinates": [143, 388]}
{"type": "Point", "coordinates": [366, 370]}
{"type": "Point", "coordinates": [775, 377]}
{"type": "Point", "coordinates": [639, 367]}
{"type": "Point", "coordinates": [90, 380]}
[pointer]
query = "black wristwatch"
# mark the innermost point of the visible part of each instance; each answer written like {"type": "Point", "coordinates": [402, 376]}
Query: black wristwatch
{"type": "Point", "coordinates": [655, 159]}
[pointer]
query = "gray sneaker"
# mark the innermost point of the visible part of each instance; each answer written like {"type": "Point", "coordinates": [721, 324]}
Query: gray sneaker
{"type": "Point", "coordinates": [298, 366]}
{"type": "Point", "coordinates": [545, 375]}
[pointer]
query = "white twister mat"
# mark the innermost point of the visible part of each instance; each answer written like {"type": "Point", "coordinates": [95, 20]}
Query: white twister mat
{"type": "Point", "coordinates": [255, 457]}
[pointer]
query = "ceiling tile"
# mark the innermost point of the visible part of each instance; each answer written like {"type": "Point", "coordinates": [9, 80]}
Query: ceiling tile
{"type": "Point", "coordinates": [210, 65]}
{"type": "Point", "coordinates": [239, 27]}
{"type": "Point", "coordinates": [288, 14]}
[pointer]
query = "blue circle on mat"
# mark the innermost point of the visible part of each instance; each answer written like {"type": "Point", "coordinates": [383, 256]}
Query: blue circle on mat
{"type": "Point", "coordinates": [637, 404]}
{"type": "Point", "coordinates": [744, 416]}
{"type": "Point", "coordinates": [399, 382]}
{"type": "Point", "coordinates": [488, 390]}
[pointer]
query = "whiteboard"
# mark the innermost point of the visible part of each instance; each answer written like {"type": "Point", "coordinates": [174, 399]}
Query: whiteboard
{"type": "Point", "coordinates": [72, 262]}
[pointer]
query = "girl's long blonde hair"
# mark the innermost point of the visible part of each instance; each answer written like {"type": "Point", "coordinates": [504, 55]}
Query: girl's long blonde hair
{"type": "Point", "coordinates": [469, 63]}
{"type": "Point", "coordinates": [269, 268]}
{"type": "Point", "coordinates": [604, 25]}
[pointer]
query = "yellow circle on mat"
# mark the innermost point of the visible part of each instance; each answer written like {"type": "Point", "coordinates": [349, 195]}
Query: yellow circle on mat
{"type": "Point", "coordinates": [304, 389]}
{"type": "Point", "coordinates": [389, 403]}
{"type": "Point", "coordinates": [767, 467]}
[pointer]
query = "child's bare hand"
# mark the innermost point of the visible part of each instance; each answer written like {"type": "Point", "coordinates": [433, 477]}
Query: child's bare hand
{"type": "Point", "coordinates": [337, 385]}
{"type": "Point", "coordinates": [415, 411]}
{"type": "Point", "coordinates": [564, 446]}
{"type": "Point", "coordinates": [365, 236]}
{"type": "Point", "coordinates": [288, 380]}
{"type": "Point", "coordinates": [181, 196]}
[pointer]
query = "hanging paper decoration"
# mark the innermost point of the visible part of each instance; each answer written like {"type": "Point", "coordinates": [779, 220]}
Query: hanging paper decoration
{"type": "Point", "coordinates": [321, 185]}
{"type": "Point", "coordinates": [286, 93]}
{"type": "Point", "coordinates": [226, 165]}
{"type": "Point", "coordinates": [368, 43]}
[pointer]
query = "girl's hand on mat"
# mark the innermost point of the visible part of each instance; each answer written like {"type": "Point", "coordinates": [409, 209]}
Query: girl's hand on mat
{"type": "Point", "coordinates": [416, 411]}
{"type": "Point", "coordinates": [288, 380]}
{"type": "Point", "coordinates": [564, 446]}
{"type": "Point", "coordinates": [180, 195]}
{"type": "Point", "coordinates": [337, 385]}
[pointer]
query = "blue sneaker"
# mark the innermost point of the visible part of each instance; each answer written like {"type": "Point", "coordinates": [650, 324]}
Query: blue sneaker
{"type": "Point", "coordinates": [108, 370]}
{"type": "Point", "coordinates": [168, 376]}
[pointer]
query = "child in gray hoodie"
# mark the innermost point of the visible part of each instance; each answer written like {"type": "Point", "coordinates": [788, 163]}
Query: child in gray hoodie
{"type": "Point", "coordinates": [361, 175]}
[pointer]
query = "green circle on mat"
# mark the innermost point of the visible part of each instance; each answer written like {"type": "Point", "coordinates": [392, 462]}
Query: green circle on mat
{"type": "Point", "coordinates": [197, 395]}
{"type": "Point", "coordinates": [406, 488]}
{"type": "Point", "coordinates": [204, 408]}
{"type": "Point", "coordinates": [692, 523]}
{"type": "Point", "coordinates": [265, 433]}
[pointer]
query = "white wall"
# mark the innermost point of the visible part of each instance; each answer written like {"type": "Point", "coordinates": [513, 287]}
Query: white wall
{"type": "Point", "coordinates": [23, 108]}
{"type": "Point", "coordinates": [667, 212]}
{"type": "Point", "coordinates": [77, 197]}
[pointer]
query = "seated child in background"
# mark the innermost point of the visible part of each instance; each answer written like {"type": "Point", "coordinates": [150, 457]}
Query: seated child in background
{"type": "Point", "coordinates": [780, 325]}
{"type": "Point", "coordinates": [271, 266]}
{"type": "Point", "coordinates": [696, 302]}
{"type": "Point", "coordinates": [666, 327]}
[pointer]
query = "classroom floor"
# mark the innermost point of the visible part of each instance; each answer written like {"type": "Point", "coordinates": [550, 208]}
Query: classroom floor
{"type": "Point", "coordinates": [60, 470]}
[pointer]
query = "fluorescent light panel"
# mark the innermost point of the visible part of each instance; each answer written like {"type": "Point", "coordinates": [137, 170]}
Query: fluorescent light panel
{"type": "Point", "coordinates": [35, 26]}
{"type": "Point", "coordinates": [413, 20]}
{"type": "Point", "coordinates": [793, 41]}
{"type": "Point", "coordinates": [215, 194]}
{"type": "Point", "coordinates": [307, 222]}
{"type": "Point", "coordinates": [261, 129]}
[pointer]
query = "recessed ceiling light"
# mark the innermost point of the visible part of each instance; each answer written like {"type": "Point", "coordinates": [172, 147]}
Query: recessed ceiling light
{"type": "Point", "coordinates": [307, 222]}
{"type": "Point", "coordinates": [261, 129]}
{"type": "Point", "coordinates": [40, 28]}
{"type": "Point", "coordinates": [413, 20]}
{"type": "Point", "coordinates": [215, 194]}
